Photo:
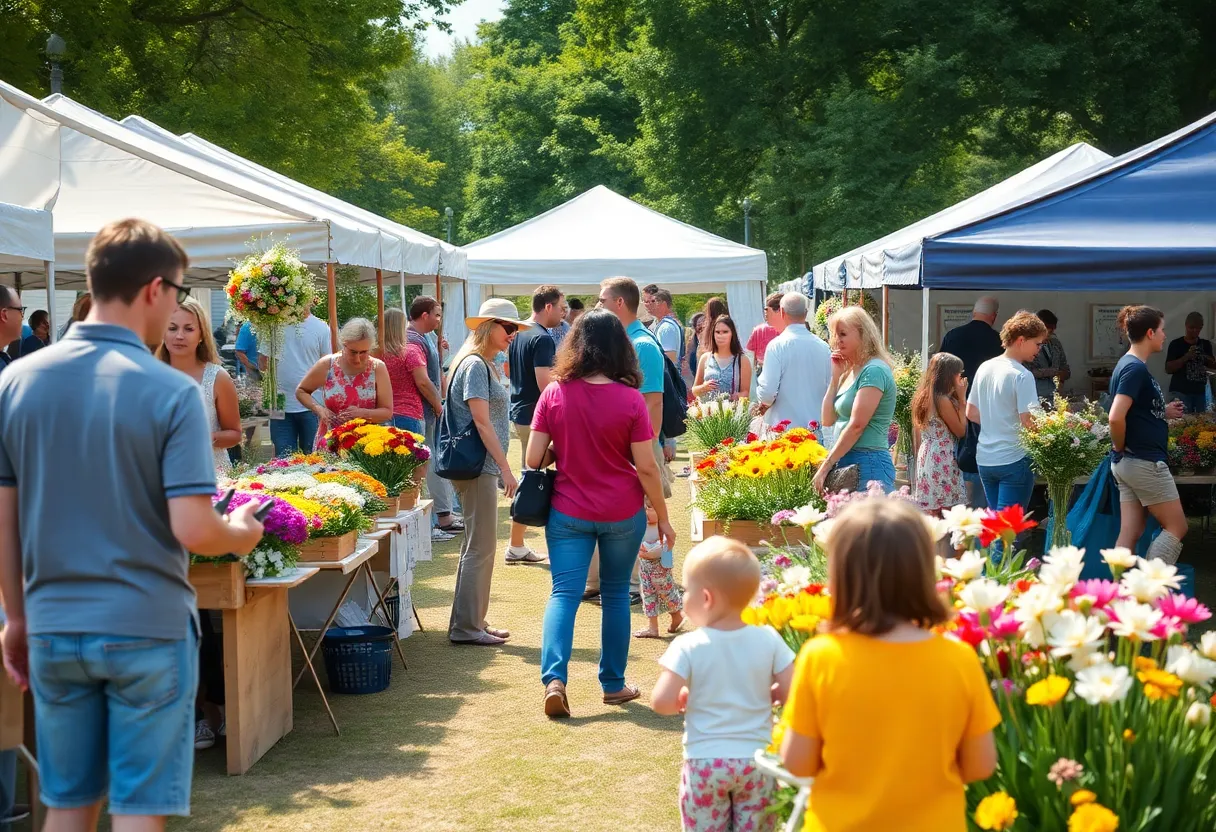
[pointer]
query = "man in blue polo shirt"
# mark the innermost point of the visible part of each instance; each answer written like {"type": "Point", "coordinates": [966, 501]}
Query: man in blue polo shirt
{"type": "Point", "coordinates": [112, 649]}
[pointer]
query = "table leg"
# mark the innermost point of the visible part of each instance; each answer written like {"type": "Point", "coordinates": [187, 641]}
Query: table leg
{"type": "Point", "coordinates": [417, 617]}
{"type": "Point", "coordinates": [381, 604]}
{"type": "Point", "coordinates": [311, 669]}
{"type": "Point", "coordinates": [328, 623]}
{"type": "Point", "coordinates": [257, 676]}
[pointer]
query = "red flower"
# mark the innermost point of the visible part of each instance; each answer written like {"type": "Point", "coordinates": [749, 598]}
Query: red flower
{"type": "Point", "coordinates": [348, 442]}
{"type": "Point", "coordinates": [814, 589]}
{"type": "Point", "coordinates": [969, 633]}
{"type": "Point", "coordinates": [1022, 585]}
{"type": "Point", "coordinates": [779, 427]}
{"type": "Point", "coordinates": [813, 425]}
{"type": "Point", "coordinates": [730, 440]}
{"type": "Point", "coordinates": [256, 486]}
{"type": "Point", "coordinates": [751, 437]}
{"type": "Point", "coordinates": [1006, 524]}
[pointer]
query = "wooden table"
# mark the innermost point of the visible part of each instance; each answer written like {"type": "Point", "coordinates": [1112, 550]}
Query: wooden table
{"type": "Point", "coordinates": [17, 734]}
{"type": "Point", "coordinates": [352, 565]}
{"type": "Point", "coordinates": [257, 664]}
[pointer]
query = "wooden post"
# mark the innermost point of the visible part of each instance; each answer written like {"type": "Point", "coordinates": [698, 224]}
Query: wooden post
{"type": "Point", "coordinates": [886, 308]}
{"type": "Point", "coordinates": [380, 310]}
{"type": "Point", "coordinates": [439, 335]}
{"type": "Point", "coordinates": [333, 306]}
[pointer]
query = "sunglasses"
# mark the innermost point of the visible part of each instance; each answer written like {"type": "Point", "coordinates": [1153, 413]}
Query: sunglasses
{"type": "Point", "coordinates": [510, 329]}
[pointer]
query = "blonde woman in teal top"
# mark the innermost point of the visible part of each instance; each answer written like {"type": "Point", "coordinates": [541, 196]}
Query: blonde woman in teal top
{"type": "Point", "coordinates": [861, 396]}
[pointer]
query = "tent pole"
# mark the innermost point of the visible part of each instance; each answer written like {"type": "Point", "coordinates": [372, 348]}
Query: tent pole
{"type": "Point", "coordinates": [404, 306]}
{"type": "Point", "coordinates": [332, 287]}
{"type": "Point", "coordinates": [924, 328]}
{"type": "Point", "coordinates": [886, 309]}
{"type": "Point", "coordinates": [380, 309]}
{"type": "Point", "coordinates": [439, 337]}
{"type": "Point", "coordinates": [50, 296]}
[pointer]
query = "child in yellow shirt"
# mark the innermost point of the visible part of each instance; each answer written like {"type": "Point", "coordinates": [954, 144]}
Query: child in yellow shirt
{"type": "Point", "coordinates": [890, 719]}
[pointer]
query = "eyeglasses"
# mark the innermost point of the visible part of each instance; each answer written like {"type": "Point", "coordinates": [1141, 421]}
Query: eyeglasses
{"type": "Point", "coordinates": [182, 292]}
{"type": "Point", "coordinates": [20, 309]}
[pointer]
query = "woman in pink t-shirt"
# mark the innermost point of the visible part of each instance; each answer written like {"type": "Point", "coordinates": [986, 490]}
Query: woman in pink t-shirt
{"type": "Point", "coordinates": [405, 362]}
{"type": "Point", "coordinates": [593, 422]}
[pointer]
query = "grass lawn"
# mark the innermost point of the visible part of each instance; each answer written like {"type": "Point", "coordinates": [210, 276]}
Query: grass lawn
{"type": "Point", "coordinates": [459, 741]}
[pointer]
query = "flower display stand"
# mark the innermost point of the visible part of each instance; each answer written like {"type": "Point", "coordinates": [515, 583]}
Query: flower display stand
{"type": "Point", "coordinates": [329, 548]}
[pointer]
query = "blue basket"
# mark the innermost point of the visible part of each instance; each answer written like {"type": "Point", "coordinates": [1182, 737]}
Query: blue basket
{"type": "Point", "coordinates": [358, 659]}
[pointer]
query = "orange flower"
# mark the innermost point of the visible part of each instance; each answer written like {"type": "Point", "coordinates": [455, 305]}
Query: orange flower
{"type": "Point", "coordinates": [1159, 684]}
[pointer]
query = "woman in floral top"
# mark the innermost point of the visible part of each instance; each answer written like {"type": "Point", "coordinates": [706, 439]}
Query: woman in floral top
{"type": "Point", "coordinates": [353, 384]}
{"type": "Point", "coordinates": [938, 417]}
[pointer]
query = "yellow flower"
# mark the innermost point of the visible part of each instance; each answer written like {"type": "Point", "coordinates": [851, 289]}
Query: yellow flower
{"type": "Point", "coordinates": [1082, 796]}
{"type": "Point", "coordinates": [401, 450]}
{"type": "Point", "coordinates": [1093, 817]}
{"type": "Point", "coordinates": [374, 448]}
{"type": "Point", "coordinates": [819, 606]}
{"type": "Point", "coordinates": [1047, 692]}
{"type": "Point", "coordinates": [1145, 663]}
{"type": "Point", "coordinates": [1129, 735]}
{"type": "Point", "coordinates": [1158, 684]}
{"type": "Point", "coordinates": [752, 615]}
{"type": "Point", "coordinates": [805, 623]}
{"type": "Point", "coordinates": [774, 747]}
{"type": "Point", "coordinates": [996, 811]}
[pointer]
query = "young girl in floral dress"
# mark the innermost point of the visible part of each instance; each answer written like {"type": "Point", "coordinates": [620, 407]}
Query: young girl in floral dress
{"type": "Point", "coordinates": [938, 418]}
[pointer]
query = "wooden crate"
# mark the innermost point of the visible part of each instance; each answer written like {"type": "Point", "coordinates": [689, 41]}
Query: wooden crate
{"type": "Point", "coordinates": [220, 585]}
{"type": "Point", "coordinates": [329, 548]}
{"type": "Point", "coordinates": [408, 499]}
{"type": "Point", "coordinates": [392, 510]}
{"type": "Point", "coordinates": [12, 714]}
{"type": "Point", "coordinates": [750, 533]}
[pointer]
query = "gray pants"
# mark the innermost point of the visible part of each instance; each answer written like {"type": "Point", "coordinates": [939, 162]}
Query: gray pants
{"type": "Point", "coordinates": [439, 489]}
{"type": "Point", "coordinates": [471, 601]}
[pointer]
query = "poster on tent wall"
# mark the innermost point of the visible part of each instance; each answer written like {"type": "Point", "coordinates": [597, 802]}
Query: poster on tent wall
{"type": "Point", "coordinates": [950, 315]}
{"type": "Point", "coordinates": [1106, 341]}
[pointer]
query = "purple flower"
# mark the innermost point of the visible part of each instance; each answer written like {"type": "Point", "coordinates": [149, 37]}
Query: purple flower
{"type": "Point", "coordinates": [782, 560]}
{"type": "Point", "coordinates": [782, 516]}
{"type": "Point", "coordinates": [421, 453]}
{"type": "Point", "coordinates": [285, 521]}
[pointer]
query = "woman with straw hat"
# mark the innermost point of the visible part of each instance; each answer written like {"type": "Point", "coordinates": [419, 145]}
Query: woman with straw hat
{"type": "Point", "coordinates": [476, 395]}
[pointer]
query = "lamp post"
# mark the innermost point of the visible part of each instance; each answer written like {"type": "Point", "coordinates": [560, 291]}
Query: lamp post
{"type": "Point", "coordinates": [447, 212]}
{"type": "Point", "coordinates": [747, 221]}
{"type": "Point", "coordinates": [56, 47]}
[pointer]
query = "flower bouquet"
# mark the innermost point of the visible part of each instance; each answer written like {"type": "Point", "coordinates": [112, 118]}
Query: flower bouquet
{"type": "Point", "coordinates": [711, 422]}
{"type": "Point", "coordinates": [1064, 446]}
{"type": "Point", "coordinates": [285, 529]}
{"type": "Point", "coordinates": [270, 290]}
{"type": "Point", "coordinates": [742, 485]}
{"type": "Point", "coordinates": [389, 455]}
{"type": "Point", "coordinates": [1106, 708]}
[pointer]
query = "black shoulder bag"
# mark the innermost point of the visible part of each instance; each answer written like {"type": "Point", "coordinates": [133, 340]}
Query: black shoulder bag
{"type": "Point", "coordinates": [460, 454]}
{"type": "Point", "coordinates": [533, 497]}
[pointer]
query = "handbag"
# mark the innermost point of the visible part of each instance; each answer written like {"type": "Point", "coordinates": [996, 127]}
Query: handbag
{"type": "Point", "coordinates": [530, 505]}
{"type": "Point", "coordinates": [964, 451]}
{"type": "Point", "coordinates": [846, 478]}
{"type": "Point", "coordinates": [460, 454]}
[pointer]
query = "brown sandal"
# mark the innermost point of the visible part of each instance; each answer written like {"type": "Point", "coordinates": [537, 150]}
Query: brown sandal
{"type": "Point", "coordinates": [625, 694]}
{"type": "Point", "coordinates": [556, 704]}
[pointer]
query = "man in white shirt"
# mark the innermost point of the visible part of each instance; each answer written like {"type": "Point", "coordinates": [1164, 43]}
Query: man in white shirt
{"type": "Point", "coordinates": [797, 368]}
{"type": "Point", "coordinates": [304, 344]}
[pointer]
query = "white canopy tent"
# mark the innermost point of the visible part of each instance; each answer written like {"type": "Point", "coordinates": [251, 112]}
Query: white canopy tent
{"type": "Point", "coordinates": [601, 234]}
{"type": "Point", "coordinates": [894, 260]}
{"type": "Point", "coordinates": [27, 238]}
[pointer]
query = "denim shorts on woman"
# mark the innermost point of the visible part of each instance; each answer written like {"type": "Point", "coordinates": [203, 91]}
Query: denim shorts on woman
{"type": "Point", "coordinates": [115, 717]}
{"type": "Point", "coordinates": [873, 466]}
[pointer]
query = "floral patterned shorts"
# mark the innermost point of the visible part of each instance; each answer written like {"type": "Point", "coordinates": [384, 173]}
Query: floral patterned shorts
{"type": "Point", "coordinates": [659, 591]}
{"type": "Point", "coordinates": [730, 795]}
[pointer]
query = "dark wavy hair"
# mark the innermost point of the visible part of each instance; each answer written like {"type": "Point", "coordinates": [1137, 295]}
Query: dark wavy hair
{"type": "Point", "coordinates": [736, 348]}
{"type": "Point", "coordinates": [597, 343]}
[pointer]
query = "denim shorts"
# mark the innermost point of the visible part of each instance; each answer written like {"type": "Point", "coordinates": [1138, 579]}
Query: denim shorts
{"type": "Point", "coordinates": [873, 466]}
{"type": "Point", "coordinates": [115, 717]}
{"type": "Point", "coordinates": [409, 423]}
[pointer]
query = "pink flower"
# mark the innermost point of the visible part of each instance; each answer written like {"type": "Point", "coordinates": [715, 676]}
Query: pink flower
{"type": "Point", "coordinates": [1004, 627]}
{"type": "Point", "coordinates": [1185, 610]}
{"type": "Point", "coordinates": [1167, 627]}
{"type": "Point", "coordinates": [1095, 593]}
{"type": "Point", "coordinates": [782, 561]}
{"type": "Point", "coordinates": [1064, 770]}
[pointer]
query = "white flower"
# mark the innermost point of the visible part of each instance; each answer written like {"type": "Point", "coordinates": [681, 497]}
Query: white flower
{"type": "Point", "coordinates": [794, 579]}
{"type": "Point", "coordinates": [1031, 608]}
{"type": "Point", "coordinates": [288, 481]}
{"type": "Point", "coordinates": [1069, 555]}
{"type": "Point", "coordinates": [1076, 441]}
{"type": "Point", "coordinates": [1207, 645]}
{"type": "Point", "coordinates": [821, 530]}
{"type": "Point", "coordinates": [1134, 620]}
{"type": "Point", "coordinates": [1103, 684]}
{"type": "Point", "coordinates": [808, 516]}
{"type": "Point", "coordinates": [1060, 575]}
{"type": "Point", "coordinates": [966, 567]}
{"type": "Point", "coordinates": [1070, 631]}
{"type": "Point", "coordinates": [938, 528]}
{"type": "Point", "coordinates": [1100, 430]}
{"type": "Point", "coordinates": [1119, 558]}
{"type": "Point", "coordinates": [967, 521]}
{"type": "Point", "coordinates": [1199, 715]}
{"type": "Point", "coordinates": [983, 594]}
{"type": "Point", "coordinates": [1090, 656]}
{"type": "Point", "coordinates": [1150, 581]}
{"type": "Point", "coordinates": [331, 491]}
{"type": "Point", "coordinates": [1189, 666]}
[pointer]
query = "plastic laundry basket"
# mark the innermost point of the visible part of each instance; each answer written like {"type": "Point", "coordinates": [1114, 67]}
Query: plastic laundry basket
{"type": "Point", "coordinates": [358, 659]}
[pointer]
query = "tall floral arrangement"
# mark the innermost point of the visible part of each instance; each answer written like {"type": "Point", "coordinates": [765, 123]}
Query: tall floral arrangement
{"type": "Point", "coordinates": [271, 289]}
{"type": "Point", "coordinates": [711, 422]}
{"type": "Point", "coordinates": [907, 373]}
{"type": "Point", "coordinates": [1106, 708]}
{"type": "Point", "coordinates": [1063, 446]}
{"type": "Point", "coordinates": [755, 480]}
{"type": "Point", "coordinates": [829, 306]}
{"type": "Point", "coordinates": [389, 455]}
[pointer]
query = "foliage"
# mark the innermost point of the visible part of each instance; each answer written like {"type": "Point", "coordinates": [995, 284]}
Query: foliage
{"type": "Point", "coordinates": [1102, 701]}
{"type": "Point", "coordinates": [355, 299]}
{"type": "Point", "coordinates": [755, 480]}
{"type": "Point", "coordinates": [907, 373]}
{"type": "Point", "coordinates": [830, 305]}
{"type": "Point", "coordinates": [711, 422]}
{"type": "Point", "coordinates": [1063, 446]}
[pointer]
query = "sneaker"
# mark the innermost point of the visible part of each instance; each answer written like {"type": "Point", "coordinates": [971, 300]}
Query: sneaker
{"type": "Point", "coordinates": [438, 535]}
{"type": "Point", "coordinates": [223, 732]}
{"type": "Point", "coordinates": [204, 737]}
{"type": "Point", "coordinates": [525, 556]}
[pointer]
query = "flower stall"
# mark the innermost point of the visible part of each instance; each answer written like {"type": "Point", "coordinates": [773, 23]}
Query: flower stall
{"type": "Point", "coordinates": [741, 485]}
{"type": "Point", "coordinates": [1192, 444]}
{"type": "Point", "coordinates": [389, 455]}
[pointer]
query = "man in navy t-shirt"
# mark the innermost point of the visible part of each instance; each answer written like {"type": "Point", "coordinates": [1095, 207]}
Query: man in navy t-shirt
{"type": "Point", "coordinates": [1140, 437]}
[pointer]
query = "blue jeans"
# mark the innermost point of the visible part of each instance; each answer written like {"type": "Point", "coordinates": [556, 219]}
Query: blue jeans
{"type": "Point", "coordinates": [975, 491]}
{"type": "Point", "coordinates": [116, 711]}
{"type": "Point", "coordinates": [571, 542]}
{"type": "Point", "coordinates": [872, 465]}
{"type": "Point", "coordinates": [409, 423]}
{"type": "Point", "coordinates": [294, 431]}
{"type": "Point", "coordinates": [1191, 402]}
{"type": "Point", "coordinates": [1007, 485]}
